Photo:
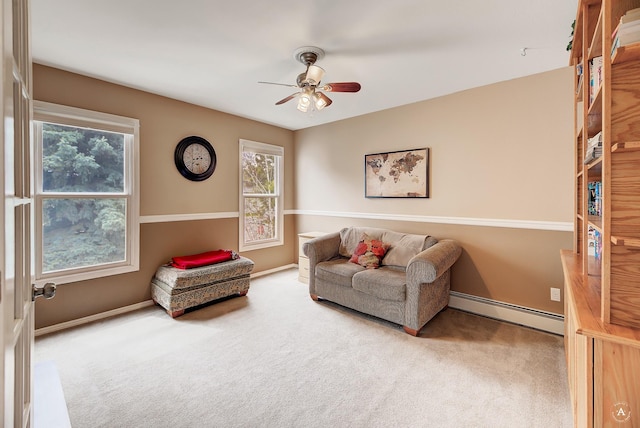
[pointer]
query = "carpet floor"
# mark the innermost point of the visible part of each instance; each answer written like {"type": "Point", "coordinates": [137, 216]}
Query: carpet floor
{"type": "Point", "coordinates": [275, 358]}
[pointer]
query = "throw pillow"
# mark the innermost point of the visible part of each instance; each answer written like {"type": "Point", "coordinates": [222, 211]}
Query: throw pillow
{"type": "Point", "coordinates": [369, 252]}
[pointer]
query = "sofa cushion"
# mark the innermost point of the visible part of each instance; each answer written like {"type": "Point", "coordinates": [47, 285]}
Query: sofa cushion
{"type": "Point", "coordinates": [386, 283]}
{"type": "Point", "coordinates": [349, 239]}
{"type": "Point", "coordinates": [369, 252]}
{"type": "Point", "coordinates": [403, 246]}
{"type": "Point", "coordinates": [337, 271]}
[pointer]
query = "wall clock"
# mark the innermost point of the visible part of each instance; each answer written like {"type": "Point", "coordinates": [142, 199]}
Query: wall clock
{"type": "Point", "coordinates": [195, 158]}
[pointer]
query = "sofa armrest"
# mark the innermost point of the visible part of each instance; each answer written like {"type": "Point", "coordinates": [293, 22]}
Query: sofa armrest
{"type": "Point", "coordinates": [318, 250]}
{"type": "Point", "coordinates": [428, 283]}
{"type": "Point", "coordinates": [428, 265]}
{"type": "Point", "coordinates": [322, 248]}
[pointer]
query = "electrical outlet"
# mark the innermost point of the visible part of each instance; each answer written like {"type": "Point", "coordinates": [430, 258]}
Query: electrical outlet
{"type": "Point", "coordinates": [555, 294]}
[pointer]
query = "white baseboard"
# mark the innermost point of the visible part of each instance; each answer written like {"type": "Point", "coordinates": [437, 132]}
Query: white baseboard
{"type": "Point", "coordinates": [274, 270]}
{"type": "Point", "coordinates": [130, 308]}
{"type": "Point", "coordinates": [540, 320]}
{"type": "Point", "coordinates": [91, 318]}
{"type": "Point", "coordinates": [534, 318]}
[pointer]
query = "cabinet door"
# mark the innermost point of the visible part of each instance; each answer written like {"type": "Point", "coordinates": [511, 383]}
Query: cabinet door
{"type": "Point", "coordinates": [580, 368]}
{"type": "Point", "coordinates": [583, 417]}
{"type": "Point", "coordinates": [617, 390]}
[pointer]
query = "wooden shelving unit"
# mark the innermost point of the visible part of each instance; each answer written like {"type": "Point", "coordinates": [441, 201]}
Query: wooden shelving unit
{"type": "Point", "coordinates": [602, 296]}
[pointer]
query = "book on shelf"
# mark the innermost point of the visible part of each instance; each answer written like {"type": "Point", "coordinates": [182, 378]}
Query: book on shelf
{"type": "Point", "coordinates": [594, 148]}
{"type": "Point", "coordinates": [594, 201]}
{"type": "Point", "coordinates": [627, 31]}
{"type": "Point", "coordinates": [594, 250]}
{"type": "Point", "coordinates": [625, 26]}
{"type": "Point", "coordinates": [625, 39]}
{"type": "Point", "coordinates": [595, 77]}
{"type": "Point", "coordinates": [594, 242]}
{"type": "Point", "coordinates": [580, 77]}
{"type": "Point", "coordinates": [630, 16]}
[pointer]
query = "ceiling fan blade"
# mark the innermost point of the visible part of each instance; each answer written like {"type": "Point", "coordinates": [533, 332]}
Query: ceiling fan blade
{"type": "Point", "coordinates": [326, 99]}
{"type": "Point", "coordinates": [289, 98]}
{"type": "Point", "coordinates": [342, 87]}
{"type": "Point", "coordinates": [279, 84]}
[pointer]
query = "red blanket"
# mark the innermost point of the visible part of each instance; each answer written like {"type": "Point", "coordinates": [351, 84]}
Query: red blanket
{"type": "Point", "coordinates": [203, 259]}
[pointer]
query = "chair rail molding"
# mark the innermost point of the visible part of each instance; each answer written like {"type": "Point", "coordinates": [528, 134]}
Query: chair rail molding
{"type": "Point", "coordinates": [467, 221]}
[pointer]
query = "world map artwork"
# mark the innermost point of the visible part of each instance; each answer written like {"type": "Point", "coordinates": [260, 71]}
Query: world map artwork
{"type": "Point", "coordinates": [397, 174]}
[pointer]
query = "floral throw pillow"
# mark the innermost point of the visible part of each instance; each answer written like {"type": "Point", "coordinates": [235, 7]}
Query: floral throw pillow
{"type": "Point", "coordinates": [369, 252]}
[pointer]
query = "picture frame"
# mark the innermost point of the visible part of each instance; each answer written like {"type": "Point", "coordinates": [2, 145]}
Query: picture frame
{"type": "Point", "coordinates": [397, 174]}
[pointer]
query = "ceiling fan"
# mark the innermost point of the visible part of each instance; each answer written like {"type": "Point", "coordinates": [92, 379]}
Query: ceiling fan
{"type": "Point", "coordinates": [310, 95]}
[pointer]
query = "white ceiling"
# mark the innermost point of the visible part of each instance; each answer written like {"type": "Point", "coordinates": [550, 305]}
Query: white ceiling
{"type": "Point", "coordinates": [213, 52]}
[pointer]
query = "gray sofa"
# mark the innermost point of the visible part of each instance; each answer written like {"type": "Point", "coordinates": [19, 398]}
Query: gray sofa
{"type": "Point", "coordinates": [410, 286]}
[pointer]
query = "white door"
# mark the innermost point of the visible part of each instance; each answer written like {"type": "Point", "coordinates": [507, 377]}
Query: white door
{"type": "Point", "coordinates": [17, 320]}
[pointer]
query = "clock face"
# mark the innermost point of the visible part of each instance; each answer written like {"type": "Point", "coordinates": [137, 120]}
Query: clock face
{"type": "Point", "coordinates": [195, 158]}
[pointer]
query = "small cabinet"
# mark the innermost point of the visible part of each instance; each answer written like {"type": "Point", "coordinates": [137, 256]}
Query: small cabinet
{"type": "Point", "coordinates": [603, 359]}
{"type": "Point", "coordinates": [303, 261]}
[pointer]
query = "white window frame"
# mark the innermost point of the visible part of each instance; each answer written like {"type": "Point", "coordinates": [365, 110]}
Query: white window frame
{"type": "Point", "coordinates": [71, 116]}
{"type": "Point", "coordinates": [270, 149]}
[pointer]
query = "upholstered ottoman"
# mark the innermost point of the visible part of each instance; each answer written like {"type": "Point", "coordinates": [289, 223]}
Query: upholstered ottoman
{"type": "Point", "coordinates": [179, 289]}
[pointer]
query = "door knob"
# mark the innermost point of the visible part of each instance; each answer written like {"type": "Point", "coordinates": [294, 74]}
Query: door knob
{"type": "Point", "coordinates": [48, 291]}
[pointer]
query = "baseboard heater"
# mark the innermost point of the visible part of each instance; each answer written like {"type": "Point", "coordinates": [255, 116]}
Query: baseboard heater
{"type": "Point", "coordinates": [534, 318]}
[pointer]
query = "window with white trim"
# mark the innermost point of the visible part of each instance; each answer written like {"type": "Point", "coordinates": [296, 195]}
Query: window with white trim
{"type": "Point", "coordinates": [86, 193]}
{"type": "Point", "coordinates": [261, 200]}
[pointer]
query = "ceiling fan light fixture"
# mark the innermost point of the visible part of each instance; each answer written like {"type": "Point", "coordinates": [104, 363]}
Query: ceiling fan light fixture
{"type": "Point", "coordinates": [314, 75]}
{"type": "Point", "coordinates": [304, 101]}
{"type": "Point", "coordinates": [319, 102]}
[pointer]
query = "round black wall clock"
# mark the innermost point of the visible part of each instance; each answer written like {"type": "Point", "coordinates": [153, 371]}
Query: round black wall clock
{"type": "Point", "coordinates": [195, 158]}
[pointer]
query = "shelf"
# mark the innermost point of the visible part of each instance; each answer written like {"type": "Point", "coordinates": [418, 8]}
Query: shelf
{"type": "Point", "coordinates": [626, 53]}
{"type": "Point", "coordinates": [595, 221]}
{"type": "Point", "coordinates": [584, 293]}
{"type": "Point", "coordinates": [596, 43]}
{"type": "Point", "coordinates": [579, 88]}
{"type": "Point", "coordinates": [595, 168]}
{"type": "Point", "coordinates": [627, 146]}
{"type": "Point", "coordinates": [593, 12]}
{"type": "Point", "coordinates": [595, 109]}
{"type": "Point", "coordinates": [625, 241]}
{"type": "Point", "coordinates": [594, 117]}
{"type": "Point", "coordinates": [594, 266]}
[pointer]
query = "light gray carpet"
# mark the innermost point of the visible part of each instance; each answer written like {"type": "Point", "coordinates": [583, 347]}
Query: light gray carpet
{"type": "Point", "coordinates": [277, 359]}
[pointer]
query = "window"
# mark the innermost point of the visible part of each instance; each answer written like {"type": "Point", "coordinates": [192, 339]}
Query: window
{"type": "Point", "coordinates": [86, 193]}
{"type": "Point", "coordinates": [261, 206]}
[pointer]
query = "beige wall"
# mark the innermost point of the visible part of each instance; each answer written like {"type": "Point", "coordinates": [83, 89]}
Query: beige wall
{"type": "Point", "coordinates": [163, 123]}
{"type": "Point", "coordinates": [499, 152]}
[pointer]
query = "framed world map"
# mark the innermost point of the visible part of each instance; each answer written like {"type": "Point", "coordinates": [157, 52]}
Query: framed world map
{"type": "Point", "coordinates": [401, 174]}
